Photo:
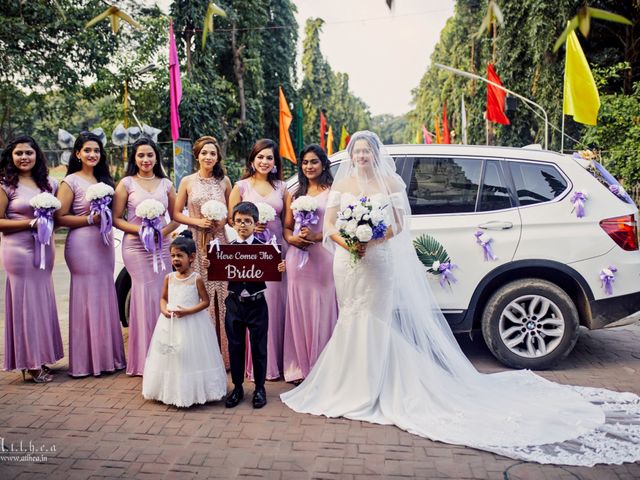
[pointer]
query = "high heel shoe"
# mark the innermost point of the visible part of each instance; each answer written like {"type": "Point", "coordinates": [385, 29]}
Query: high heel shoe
{"type": "Point", "coordinates": [40, 377]}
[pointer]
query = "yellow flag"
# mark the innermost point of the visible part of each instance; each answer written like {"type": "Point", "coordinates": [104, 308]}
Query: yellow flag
{"type": "Point", "coordinates": [330, 141]}
{"type": "Point", "coordinates": [344, 135]}
{"type": "Point", "coordinates": [418, 139]}
{"type": "Point", "coordinates": [581, 98]}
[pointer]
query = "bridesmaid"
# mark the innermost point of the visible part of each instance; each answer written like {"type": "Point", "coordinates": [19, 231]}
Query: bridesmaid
{"type": "Point", "coordinates": [95, 337]}
{"type": "Point", "coordinates": [208, 183]}
{"type": "Point", "coordinates": [312, 309]}
{"type": "Point", "coordinates": [143, 179]}
{"type": "Point", "coordinates": [31, 330]}
{"type": "Point", "coordinates": [262, 182]}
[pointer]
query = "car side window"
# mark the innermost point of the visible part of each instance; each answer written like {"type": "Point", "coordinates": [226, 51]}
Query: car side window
{"type": "Point", "coordinates": [494, 194]}
{"type": "Point", "coordinates": [443, 185]}
{"type": "Point", "coordinates": [536, 183]}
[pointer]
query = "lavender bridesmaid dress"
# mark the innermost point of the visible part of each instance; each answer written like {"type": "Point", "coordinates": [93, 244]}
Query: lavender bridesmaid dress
{"type": "Point", "coordinates": [31, 330]}
{"type": "Point", "coordinates": [203, 190]}
{"type": "Point", "coordinates": [312, 308]}
{"type": "Point", "coordinates": [146, 285]}
{"type": "Point", "coordinates": [276, 293]}
{"type": "Point", "coordinates": [95, 338]}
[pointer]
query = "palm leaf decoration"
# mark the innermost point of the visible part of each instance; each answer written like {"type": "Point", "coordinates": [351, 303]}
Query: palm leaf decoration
{"type": "Point", "coordinates": [582, 21]}
{"type": "Point", "coordinates": [115, 15]}
{"type": "Point", "coordinates": [212, 10]}
{"type": "Point", "coordinates": [429, 250]}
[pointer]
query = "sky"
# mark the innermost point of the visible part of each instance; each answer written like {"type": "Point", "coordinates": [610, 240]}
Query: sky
{"type": "Point", "coordinates": [385, 53]}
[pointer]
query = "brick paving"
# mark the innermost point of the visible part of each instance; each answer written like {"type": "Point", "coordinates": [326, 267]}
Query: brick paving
{"type": "Point", "coordinates": [102, 428]}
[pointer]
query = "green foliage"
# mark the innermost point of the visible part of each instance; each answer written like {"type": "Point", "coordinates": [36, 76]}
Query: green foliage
{"type": "Point", "coordinates": [389, 128]}
{"type": "Point", "coordinates": [429, 250]}
{"type": "Point", "coordinates": [322, 89]}
{"type": "Point", "coordinates": [526, 65]}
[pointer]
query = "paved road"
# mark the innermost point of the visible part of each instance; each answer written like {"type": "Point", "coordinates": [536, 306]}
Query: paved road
{"type": "Point", "coordinates": [103, 428]}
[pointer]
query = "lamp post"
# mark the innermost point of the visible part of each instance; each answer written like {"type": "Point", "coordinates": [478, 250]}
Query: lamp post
{"type": "Point", "coordinates": [527, 101]}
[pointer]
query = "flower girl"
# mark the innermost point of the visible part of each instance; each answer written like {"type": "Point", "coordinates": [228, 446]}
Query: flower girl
{"type": "Point", "coordinates": [184, 365]}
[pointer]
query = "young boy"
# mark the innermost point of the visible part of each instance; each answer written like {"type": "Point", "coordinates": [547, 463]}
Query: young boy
{"type": "Point", "coordinates": [247, 309]}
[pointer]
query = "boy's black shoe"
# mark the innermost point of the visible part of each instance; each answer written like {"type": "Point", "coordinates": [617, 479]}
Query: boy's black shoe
{"type": "Point", "coordinates": [259, 398]}
{"type": "Point", "coordinates": [234, 398]}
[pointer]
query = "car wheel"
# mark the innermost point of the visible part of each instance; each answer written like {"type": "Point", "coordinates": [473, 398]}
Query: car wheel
{"type": "Point", "coordinates": [530, 323]}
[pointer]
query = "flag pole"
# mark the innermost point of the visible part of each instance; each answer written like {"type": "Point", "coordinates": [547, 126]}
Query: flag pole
{"type": "Point", "coordinates": [562, 131]}
{"type": "Point", "coordinates": [524, 99]}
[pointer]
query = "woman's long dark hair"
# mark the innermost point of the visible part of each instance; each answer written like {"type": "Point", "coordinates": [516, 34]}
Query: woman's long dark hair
{"type": "Point", "coordinates": [260, 145]}
{"type": "Point", "coordinates": [325, 179]}
{"type": "Point", "coordinates": [9, 173]}
{"type": "Point", "coordinates": [101, 170]}
{"type": "Point", "coordinates": [132, 168]}
{"type": "Point", "coordinates": [219, 171]}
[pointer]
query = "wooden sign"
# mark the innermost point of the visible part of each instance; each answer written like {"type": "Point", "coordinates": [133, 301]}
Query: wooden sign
{"type": "Point", "coordinates": [245, 263]}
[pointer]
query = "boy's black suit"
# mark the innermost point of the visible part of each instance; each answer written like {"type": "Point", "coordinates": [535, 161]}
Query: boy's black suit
{"type": "Point", "coordinates": [247, 312]}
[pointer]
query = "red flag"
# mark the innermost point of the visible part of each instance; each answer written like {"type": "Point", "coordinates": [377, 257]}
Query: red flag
{"type": "Point", "coordinates": [495, 98]}
{"type": "Point", "coordinates": [446, 138]}
{"type": "Point", "coordinates": [323, 130]}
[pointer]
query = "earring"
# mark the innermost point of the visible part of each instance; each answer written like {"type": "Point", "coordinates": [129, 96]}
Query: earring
{"type": "Point", "coordinates": [274, 169]}
{"type": "Point", "coordinates": [251, 169]}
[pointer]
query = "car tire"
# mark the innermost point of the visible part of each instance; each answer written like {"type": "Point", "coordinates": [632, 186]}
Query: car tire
{"type": "Point", "coordinates": [530, 323]}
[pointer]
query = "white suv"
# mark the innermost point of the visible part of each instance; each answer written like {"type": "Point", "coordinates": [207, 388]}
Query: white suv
{"type": "Point", "coordinates": [546, 278]}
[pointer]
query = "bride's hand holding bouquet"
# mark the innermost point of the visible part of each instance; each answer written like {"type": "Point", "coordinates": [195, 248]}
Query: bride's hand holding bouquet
{"type": "Point", "coordinates": [360, 223]}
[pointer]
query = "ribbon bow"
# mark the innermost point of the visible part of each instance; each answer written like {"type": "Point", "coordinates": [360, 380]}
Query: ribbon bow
{"type": "Point", "coordinates": [578, 198]}
{"type": "Point", "coordinates": [101, 206]}
{"type": "Point", "coordinates": [304, 219]}
{"type": "Point", "coordinates": [151, 238]}
{"type": "Point", "coordinates": [214, 243]}
{"type": "Point", "coordinates": [607, 277]}
{"type": "Point", "coordinates": [486, 246]}
{"type": "Point", "coordinates": [43, 222]}
{"type": "Point", "coordinates": [446, 274]}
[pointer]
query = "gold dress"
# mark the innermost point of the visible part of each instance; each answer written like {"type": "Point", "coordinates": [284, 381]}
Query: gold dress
{"type": "Point", "coordinates": [202, 190]}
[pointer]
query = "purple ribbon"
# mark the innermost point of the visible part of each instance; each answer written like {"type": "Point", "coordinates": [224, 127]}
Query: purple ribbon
{"type": "Point", "coordinates": [304, 219]}
{"type": "Point", "coordinates": [486, 246]}
{"type": "Point", "coordinates": [446, 274]}
{"type": "Point", "coordinates": [43, 220]}
{"type": "Point", "coordinates": [264, 236]}
{"type": "Point", "coordinates": [578, 198]}
{"type": "Point", "coordinates": [151, 238]}
{"type": "Point", "coordinates": [101, 206]}
{"type": "Point", "coordinates": [607, 277]}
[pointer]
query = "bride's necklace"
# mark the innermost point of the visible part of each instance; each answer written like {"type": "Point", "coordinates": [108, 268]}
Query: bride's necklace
{"type": "Point", "coordinates": [152, 177]}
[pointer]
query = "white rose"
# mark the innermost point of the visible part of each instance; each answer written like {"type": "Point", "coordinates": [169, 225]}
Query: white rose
{"type": "Point", "coordinates": [346, 213]}
{"type": "Point", "coordinates": [266, 212]}
{"type": "Point", "coordinates": [341, 223]}
{"type": "Point", "coordinates": [377, 216]}
{"type": "Point", "coordinates": [351, 227]}
{"type": "Point", "coordinates": [214, 210]}
{"type": "Point", "coordinates": [99, 190]}
{"type": "Point", "coordinates": [359, 212]}
{"type": "Point", "coordinates": [306, 203]}
{"type": "Point", "coordinates": [45, 200]}
{"type": "Point", "coordinates": [364, 233]}
{"type": "Point", "coordinates": [150, 209]}
{"type": "Point", "coordinates": [435, 266]}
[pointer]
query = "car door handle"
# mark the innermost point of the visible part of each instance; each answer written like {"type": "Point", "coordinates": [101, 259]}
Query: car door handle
{"type": "Point", "coordinates": [496, 225]}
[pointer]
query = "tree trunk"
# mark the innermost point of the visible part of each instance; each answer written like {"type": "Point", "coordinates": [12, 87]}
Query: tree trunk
{"type": "Point", "coordinates": [238, 71]}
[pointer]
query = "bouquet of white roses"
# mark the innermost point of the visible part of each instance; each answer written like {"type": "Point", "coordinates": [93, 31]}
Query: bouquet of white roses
{"type": "Point", "coordinates": [99, 197]}
{"type": "Point", "coordinates": [44, 204]}
{"type": "Point", "coordinates": [214, 210]}
{"type": "Point", "coordinates": [361, 222]}
{"type": "Point", "coordinates": [266, 213]}
{"type": "Point", "coordinates": [304, 214]}
{"type": "Point", "coordinates": [151, 212]}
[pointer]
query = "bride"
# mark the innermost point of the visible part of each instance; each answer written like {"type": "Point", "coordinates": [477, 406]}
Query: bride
{"type": "Point", "coordinates": [392, 358]}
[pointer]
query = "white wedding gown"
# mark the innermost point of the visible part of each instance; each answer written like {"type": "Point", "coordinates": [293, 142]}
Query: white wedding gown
{"type": "Point", "coordinates": [392, 359]}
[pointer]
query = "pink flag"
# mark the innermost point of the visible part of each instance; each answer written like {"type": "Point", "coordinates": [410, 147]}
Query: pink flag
{"type": "Point", "coordinates": [175, 85]}
{"type": "Point", "coordinates": [426, 135]}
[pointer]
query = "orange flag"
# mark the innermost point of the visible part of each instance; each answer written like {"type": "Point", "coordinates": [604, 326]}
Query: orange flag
{"type": "Point", "coordinates": [286, 147]}
{"type": "Point", "coordinates": [323, 131]}
{"type": "Point", "coordinates": [438, 136]}
{"type": "Point", "coordinates": [330, 141]}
